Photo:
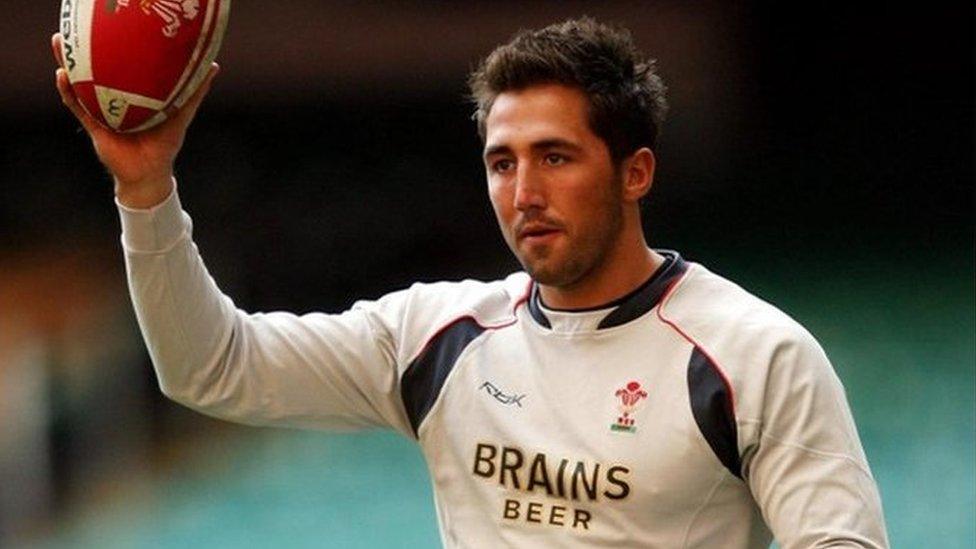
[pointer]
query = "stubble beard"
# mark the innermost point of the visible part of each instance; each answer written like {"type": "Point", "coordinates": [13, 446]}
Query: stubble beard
{"type": "Point", "coordinates": [584, 255]}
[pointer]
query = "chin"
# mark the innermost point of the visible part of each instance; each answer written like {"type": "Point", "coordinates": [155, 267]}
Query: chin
{"type": "Point", "coordinates": [549, 273]}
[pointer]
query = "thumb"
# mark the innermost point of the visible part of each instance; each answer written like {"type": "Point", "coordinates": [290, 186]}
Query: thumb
{"type": "Point", "coordinates": [184, 115]}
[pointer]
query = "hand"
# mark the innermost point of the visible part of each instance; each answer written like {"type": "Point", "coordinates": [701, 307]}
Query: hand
{"type": "Point", "coordinates": [142, 162]}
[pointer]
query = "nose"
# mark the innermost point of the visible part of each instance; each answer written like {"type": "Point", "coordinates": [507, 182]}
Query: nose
{"type": "Point", "coordinates": [529, 189]}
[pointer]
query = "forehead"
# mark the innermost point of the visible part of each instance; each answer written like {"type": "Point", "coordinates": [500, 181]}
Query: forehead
{"type": "Point", "coordinates": [520, 117]}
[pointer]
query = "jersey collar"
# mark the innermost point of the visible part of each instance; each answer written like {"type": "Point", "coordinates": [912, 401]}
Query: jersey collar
{"type": "Point", "coordinates": [619, 311]}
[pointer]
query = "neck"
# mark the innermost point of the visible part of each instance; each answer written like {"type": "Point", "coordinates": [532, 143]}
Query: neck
{"type": "Point", "coordinates": [626, 266]}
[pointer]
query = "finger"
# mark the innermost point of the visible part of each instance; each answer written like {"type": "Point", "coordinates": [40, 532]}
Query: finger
{"type": "Point", "coordinates": [70, 100]}
{"type": "Point", "coordinates": [57, 42]}
{"type": "Point", "coordinates": [189, 109]}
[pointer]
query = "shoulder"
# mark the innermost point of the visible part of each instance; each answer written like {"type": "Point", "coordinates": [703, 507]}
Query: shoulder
{"type": "Point", "coordinates": [718, 310]}
{"type": "Point", "coordinates": [488, 302]}
{"type": "Point", "coordinates": [415, 314]}
{"type": "Point", "coordinates": [748, 339]}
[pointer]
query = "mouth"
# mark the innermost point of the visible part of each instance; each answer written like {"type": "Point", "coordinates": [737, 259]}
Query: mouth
{"type": "Point", "coordinates": [538, 234]}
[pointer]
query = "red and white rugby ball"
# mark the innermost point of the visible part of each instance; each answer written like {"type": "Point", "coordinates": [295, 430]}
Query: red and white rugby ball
{"type": "Point", "coordinates": [131, 62]}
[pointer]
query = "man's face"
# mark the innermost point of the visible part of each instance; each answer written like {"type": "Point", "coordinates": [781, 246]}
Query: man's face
{"type": "Point", "coordinates": [552, 183]}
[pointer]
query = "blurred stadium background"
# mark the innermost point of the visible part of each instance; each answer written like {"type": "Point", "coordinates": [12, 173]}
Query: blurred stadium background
{"type": "Point", "coordinates": [820, 155]}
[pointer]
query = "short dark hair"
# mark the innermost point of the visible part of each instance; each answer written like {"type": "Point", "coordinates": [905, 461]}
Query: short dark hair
{"type": "Point", "coordinates": [626, 96]}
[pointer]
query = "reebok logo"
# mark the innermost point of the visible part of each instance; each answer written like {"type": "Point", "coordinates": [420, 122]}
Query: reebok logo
{"type": "Point", "coordinates": [500, 395]}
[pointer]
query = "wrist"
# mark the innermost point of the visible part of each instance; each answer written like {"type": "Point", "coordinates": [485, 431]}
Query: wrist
{"type": "Point", "coordinates": [145, 194]}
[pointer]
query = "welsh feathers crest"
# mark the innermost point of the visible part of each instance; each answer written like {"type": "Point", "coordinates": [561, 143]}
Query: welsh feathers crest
{"type": "Point", "coordinates": [172, 12]}
{"type": "Point", "coordinates": [630, 396]}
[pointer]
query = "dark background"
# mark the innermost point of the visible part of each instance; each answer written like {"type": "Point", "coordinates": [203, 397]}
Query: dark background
{"type": "Point", "coordinates": [820, 155]}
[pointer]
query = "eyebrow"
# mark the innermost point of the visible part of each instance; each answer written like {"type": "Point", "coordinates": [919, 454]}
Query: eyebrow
{"type": "Point", "coordinates": [545, 144]}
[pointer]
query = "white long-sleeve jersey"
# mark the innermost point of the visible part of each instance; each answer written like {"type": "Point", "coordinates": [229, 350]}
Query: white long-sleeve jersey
{"type": "Point", "coordinates": [686, 414]}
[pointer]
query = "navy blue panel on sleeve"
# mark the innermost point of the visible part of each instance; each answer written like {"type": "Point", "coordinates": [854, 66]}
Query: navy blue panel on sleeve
{"type": "Point", "coordinates": [711, 405]}
{"type": "Point", "coordinates": [424, 378]}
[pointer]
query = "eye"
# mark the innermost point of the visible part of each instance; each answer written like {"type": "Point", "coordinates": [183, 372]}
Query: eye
{"type": "Point", "coordinates": [553, 159]}
{"type": "Point", "coordinates": [501, 166]}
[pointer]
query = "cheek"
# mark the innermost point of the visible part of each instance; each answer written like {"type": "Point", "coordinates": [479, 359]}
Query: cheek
{"type": "Point", "coordinates": [594, 206]}
{"type": "Point", "coordinates": [499, 202]}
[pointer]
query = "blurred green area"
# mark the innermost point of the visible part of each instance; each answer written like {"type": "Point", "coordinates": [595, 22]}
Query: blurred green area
{"type": "Point", "coordinates": [901, 343]}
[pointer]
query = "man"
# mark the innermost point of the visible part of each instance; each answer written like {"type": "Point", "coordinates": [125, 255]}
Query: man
{"type": "Point", "coordinates": [610, 395]}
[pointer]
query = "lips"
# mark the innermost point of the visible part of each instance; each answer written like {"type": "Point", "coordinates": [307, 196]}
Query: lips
{"type": "Point", "coordinates": [537, 232]}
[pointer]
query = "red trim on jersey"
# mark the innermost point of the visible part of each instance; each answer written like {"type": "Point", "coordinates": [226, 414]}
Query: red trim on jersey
{"type": "Point", "coordinates": [689, 339]}
{"type": "Point", "coordinates": [521, 300]}
{"type": "Point", "coordinates": [457, 319]}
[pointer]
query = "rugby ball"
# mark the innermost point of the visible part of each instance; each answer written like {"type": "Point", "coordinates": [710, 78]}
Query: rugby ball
{"type": "Point", "coordinates": [132, 62]}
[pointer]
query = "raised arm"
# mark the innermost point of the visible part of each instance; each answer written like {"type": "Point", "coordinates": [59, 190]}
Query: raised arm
{"type": "Point", "coordinates": [315, 370]}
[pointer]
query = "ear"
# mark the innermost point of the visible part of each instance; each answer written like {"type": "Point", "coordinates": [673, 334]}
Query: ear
{"type": "Point", "coordinates": [638, 174]}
